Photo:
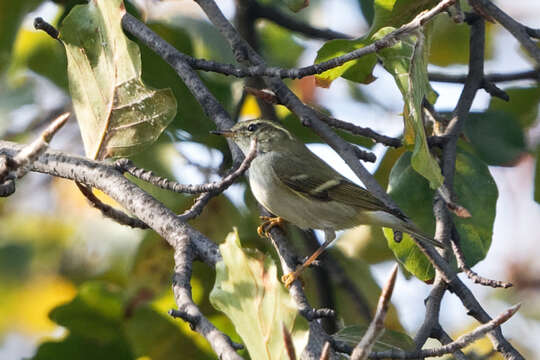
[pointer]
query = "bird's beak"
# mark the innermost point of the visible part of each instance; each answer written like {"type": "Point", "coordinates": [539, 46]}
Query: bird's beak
{"type": "Point", "coordinates": [226, 133]}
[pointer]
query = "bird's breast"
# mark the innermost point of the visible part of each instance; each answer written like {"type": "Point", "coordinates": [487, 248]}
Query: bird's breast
{"type": "Point", "coordinates": [300, 209]}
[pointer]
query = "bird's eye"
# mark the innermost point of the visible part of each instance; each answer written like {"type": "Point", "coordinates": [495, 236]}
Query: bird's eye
{"type": "Point", "coordinates": [252, 127]}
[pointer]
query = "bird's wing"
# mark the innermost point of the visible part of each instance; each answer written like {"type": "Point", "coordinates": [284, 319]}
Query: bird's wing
{"type": "Point", "coordinates": [317, 180]}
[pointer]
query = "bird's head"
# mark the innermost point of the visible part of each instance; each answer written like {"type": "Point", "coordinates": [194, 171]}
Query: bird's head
{"type": "Point", "coordinates": [269, 135]}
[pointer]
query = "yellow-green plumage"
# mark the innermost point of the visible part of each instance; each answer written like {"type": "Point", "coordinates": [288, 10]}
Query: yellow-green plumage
{"type": "Point", "coordinates": [293, 183]}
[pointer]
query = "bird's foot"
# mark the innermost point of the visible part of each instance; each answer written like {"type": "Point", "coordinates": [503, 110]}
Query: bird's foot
{"type": "Point", "coordinates": [289, 278]}
{"type": "Point", "coordinates": [268, 223]}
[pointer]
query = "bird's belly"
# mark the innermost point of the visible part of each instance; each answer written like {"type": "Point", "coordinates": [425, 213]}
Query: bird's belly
{"type": "Point", "coordinates": [298, 208]}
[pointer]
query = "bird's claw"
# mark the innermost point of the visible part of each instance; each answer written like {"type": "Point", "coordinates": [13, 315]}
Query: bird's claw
{"type": "Point", "coordinates": [268, 223]}
{"type": "Point", "coordinates": [289, 278]}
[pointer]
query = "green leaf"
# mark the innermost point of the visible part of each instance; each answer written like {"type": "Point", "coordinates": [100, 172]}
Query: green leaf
{"type": "Point", "coordinates": [248, 291]}
{"type": "Point", "coordinates": [157, 337]}
{"type": "Point", "coordinates": [406, 61]}
{"type": "Point", "coordinates": [387, 13]}
{"type": "Point", "coordinates": [82, 348]}
{"type": "Point", "coordinates": [296, 5]}
{"type": "Point", "coordinates": [357, 70]}
{"type": "Point", "coordinates": [95, 312]}
{"type": "Point", "coordinates": [475, 190]}
{"type": "Point", "coordinates": [389, 340]}
{"type": "Point", "coordinates": [397, 12]}
{"type": "Point", "coordinates": [496, 136]}
{"type": "Point", "coordinates": [278, 45]}
{"type": "Point", "coordinates": [116, 112]}
{"type": "Point", "coordinates": [94, 320]}
{"type": "Point", "coordinates": [523, 104]}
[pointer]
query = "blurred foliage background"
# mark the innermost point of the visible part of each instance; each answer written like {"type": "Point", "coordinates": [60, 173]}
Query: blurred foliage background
{"type": "Point", "coordinates": [70, 279]}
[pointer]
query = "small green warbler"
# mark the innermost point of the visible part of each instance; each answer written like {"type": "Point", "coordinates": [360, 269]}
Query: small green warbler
{"type": "Point", "coordinates": [295, 185]}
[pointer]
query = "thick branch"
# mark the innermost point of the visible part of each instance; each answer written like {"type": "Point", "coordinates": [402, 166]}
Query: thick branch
{"type": "Point", "coordinates": [183, 238]}
{"type": "Point", "coordinates": [486, 7]}
{"type": "Point", "coordinates": [187, 310]}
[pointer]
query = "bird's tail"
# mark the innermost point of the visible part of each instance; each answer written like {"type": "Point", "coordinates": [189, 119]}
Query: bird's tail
{"type": "Point", "coordinates": [419, 235]}
{"type": "Point", "coordinates": [400, 222]}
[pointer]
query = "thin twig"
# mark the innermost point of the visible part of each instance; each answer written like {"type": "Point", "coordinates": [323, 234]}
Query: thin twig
{"type": "Point", "coordinates": [457, 209]}
{"type": "Point", "coordinates": [494, 90]}
{"type": "Point", "coordinates": [16, 167]}
{"type": "Point", "coordinates": [108, 211]}
{"type": "Point", "coordinates": [296, 73]}
{"type": "Point", "coordinates": [359, 130]}
{"type": "Point", "coordinates": [283, 19]}
{"type": "Point", "coordinates": [433, 308]}
{"type": "Point", "coordinates": [40, 24]}
{"type": "Point", "coordinates": [493, 78]}
{"type": "Point", "coordinates": [126, 165]}
{"type": "Point", "coordinates": [376, 327]}
{"type": "Point", "coordinates": [216, 188]}
{"type": "Point", "coordinates": [452, 347]}
{"type": "Point", "coordinates": [477, 279]}
{"type": "Point", "coordinates": [445, 339]}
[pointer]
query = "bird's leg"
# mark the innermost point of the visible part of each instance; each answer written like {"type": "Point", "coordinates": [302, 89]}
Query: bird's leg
{"type": "Point", "coordinates": [288, 279]}
{"type": "Point", "coordinates": [268, 223]}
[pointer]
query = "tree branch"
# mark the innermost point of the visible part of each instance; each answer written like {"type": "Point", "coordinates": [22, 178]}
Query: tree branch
{"type": "Point", "coordinates": [308, 117]}
{"type": "Point", "coordinates": [216, 188]}
{"type": "Point", "coordinates": [520, 32]}
{"type": "Point", "coordinates": [186, 241]}
{"type": "Point", "coordinates": [477, 279]}
{"type": "Point", "coordinates": [492, 78]}
{"type": "Point", "coordinates": [376, 327]}
{"type": "Point", "coordinates": [286, 21]}
{"type": "Point", "coordinates": [17, 166]}
{"type": "Point", "coordinates": [452, 347]}
{"type": "Point", "coordinates": [177, 60]}
{"type": "Point", "coordinates": [108, 211]}
{"type": "Point", "coordinates": [188, 311]}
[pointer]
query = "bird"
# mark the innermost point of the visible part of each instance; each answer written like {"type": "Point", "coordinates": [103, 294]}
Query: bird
{"type": "Point", "coordinates": [297, 186]}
